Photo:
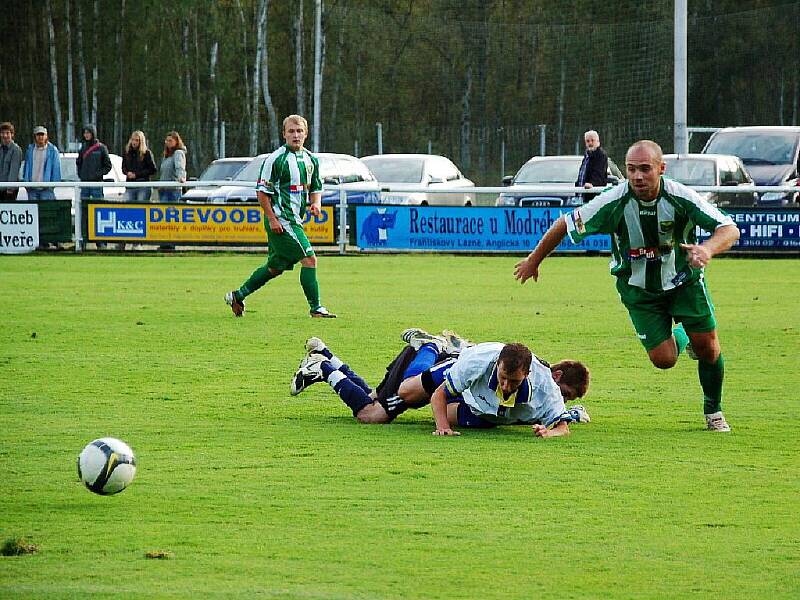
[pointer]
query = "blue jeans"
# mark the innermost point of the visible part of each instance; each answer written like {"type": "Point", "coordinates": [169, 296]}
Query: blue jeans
{"type": "Point", "coordinates": [169, 195]}
{"type": "Point", "coordinates": [138, 194]}
{"type": "Point", "coordinates": [92, 193]}
{"type": "Point", "coordinates": [41, 194]}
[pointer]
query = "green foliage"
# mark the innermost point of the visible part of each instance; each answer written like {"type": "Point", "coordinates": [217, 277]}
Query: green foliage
{"type": "Point", "coordinates": [257, 493]}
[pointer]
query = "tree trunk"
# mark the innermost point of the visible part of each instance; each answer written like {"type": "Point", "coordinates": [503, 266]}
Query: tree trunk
{"type": "Point", "coordinates": [70, 90]}
{"type": "Point", "coordinates": [261, 26]}
{"type": "Point", "coordinates": [465, 121]}
{"type": "Point", "coordinates": [337, 81]}
{"type": "Point", "coordinates": [274, 135]}
{"type": "Point", "coordinates": [245, 66]}
{"type": "Point", "coordinates": [84, 102]}
{"type": "Point", "coordinates": [319, 61]}
{"type": "Point", "coordinates": [299, 82]}
{"type": "Point", "coordinates": [561, 104]}
{"type": "Point", "coordinates": [215, 98]}
{"type": "Point", "coordinates": [95, 27]}
{"type": "Point", "coordinates": [51, 35]}
{"type": "Point", "coordinates": [117, 140]}
{"type": "Point", "coordinates": [198, 126]}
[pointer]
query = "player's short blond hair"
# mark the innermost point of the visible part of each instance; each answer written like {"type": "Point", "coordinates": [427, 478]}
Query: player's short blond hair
{"type": "Point", "coordinates": [296, 119]}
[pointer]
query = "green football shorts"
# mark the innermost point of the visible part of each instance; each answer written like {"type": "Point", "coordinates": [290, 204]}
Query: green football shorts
{"type": "Point", "coordinates": [287, 248]}
{"type": "Point", "coordinates": [652, 313]}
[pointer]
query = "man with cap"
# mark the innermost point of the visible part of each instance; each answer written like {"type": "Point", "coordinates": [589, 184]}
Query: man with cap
{"type": "Point", "coordinates": [93, 162]}
{"type": "Point", "coordinates": [41, 164]}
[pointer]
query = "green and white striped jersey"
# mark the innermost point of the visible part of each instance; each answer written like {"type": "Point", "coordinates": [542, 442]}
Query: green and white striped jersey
{"type": "Point", "coordinates": [288, 178]}
{"type": "Point", "coordinates": [645, 236]}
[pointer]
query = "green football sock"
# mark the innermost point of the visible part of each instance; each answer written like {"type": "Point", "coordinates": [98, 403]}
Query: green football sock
{"type": "Point", "coordinates": [308, 279]}
{"type": "Point", "coordinates": [711, 377]}
{"type": "Point", "coordinates": [681, 339]}
{"type": "Point", "coordinates": [256, 281]}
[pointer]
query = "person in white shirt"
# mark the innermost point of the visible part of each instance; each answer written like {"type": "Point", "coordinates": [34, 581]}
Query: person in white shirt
{"type": "Point", "coordinates": [469, 385]}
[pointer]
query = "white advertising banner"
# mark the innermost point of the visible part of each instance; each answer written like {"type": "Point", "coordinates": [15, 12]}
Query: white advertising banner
{"type": "Point", "coordinates": [19, 228]}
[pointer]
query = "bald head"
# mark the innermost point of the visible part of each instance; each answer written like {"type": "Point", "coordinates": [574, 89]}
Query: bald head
{"type": "Point", "coordinates": [644, 165]}
{"type": "Point", "coordinates": [646, 146]}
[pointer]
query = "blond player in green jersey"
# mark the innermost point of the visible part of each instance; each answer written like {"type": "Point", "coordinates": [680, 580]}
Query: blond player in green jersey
{"type": "Point", "coordinates": [658, 264]}
{"type": "Point", "coordinates": [288, 185]}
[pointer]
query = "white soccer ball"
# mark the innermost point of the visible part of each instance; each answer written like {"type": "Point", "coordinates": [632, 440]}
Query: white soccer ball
{"type": "Point", "coordinates": [106, 466]}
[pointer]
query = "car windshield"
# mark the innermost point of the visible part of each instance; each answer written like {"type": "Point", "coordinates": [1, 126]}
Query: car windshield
{"type": "Point", "coordinates": [396, 170]}
{"type": "Point", "coordinates": [251, 171]}
{"type": "Point", "coordinates": [69, 171]}
{"type": "Point", "coordinates": [221, 170]}
{"type": "Point", "coordinates": [549, 171]}
{"type": "Point", "coordinates": [767, 148]}
{"type": "Point", "coordinates": [691, 171]}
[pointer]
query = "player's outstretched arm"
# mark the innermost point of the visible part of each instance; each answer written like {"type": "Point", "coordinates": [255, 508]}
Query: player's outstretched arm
{"type": "Point", "coordinates": [559, 430]}
{"type": "Point", "coordinates": [439, 407]}
{"type": "Point", "coordinates": [529, 268]}
{"type": "Point", "coordinates": [699, 255]}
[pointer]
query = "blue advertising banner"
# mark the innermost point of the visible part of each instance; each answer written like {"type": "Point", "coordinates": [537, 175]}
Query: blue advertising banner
{"type": "Point", "coordinates": [773, 229]}
{"type": "Point", "coordinates": [458, 228]}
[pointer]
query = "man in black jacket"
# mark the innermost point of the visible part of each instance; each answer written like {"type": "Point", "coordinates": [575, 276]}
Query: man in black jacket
{"type": "Point", "coordinates": [93, 162]}
{"type": "Point", "coordinates": [594, 168]}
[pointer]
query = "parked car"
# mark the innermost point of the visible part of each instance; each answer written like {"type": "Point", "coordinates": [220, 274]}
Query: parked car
{"type": "Point", "coordinates": [69, 172]}
{"type": "Point", "coordinates": [221, 169]}
{"type": "Point", "coordinates": [404, 172]}
{"type": "Point", "coordinates": [335, 169]}
{"type": "Point", "coordinates": [771, 155]}
{"type": "Point", "coordinates": [712, 169]}
{"type": "Point", "coordinates": [549, 172]}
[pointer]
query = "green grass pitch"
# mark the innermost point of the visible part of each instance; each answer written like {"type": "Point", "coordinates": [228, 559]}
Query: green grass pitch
{"type": "Point", "coordinates": [254, 493]}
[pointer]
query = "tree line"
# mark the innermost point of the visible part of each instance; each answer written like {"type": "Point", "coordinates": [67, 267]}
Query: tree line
{"type": "Point", "coordinates": [474, 80]}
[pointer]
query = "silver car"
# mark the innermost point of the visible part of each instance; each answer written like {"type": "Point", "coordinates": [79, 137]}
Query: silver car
{"type": "Point", "coordinates": [549, 172]}
{"type": "Point", "coordinates": [712, 169]}
{"type": "Point", "coordinates": [404, 172]}
{"type": "Point", "coordinates": [222, 169]}
{"type": "Point", "coordinates": [69, 172]}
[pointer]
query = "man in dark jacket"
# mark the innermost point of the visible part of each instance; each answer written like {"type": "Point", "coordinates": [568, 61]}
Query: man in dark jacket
{"type": "Point", "coordinates": [594, 168]}
{"type": "Point", "coordinates": [93, 162]}
{"type": "Point", "coordinates": [10, 160]}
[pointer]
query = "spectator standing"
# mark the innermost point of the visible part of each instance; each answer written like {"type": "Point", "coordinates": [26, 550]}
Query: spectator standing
{"type": "Point", "coordinates": [173, 167]}
{"type": "Point", "coordinates": [138, 165]}
{"type": "Point", "coordinates": [594, 168]}
{"type": "Point", "coordinates": [42, 163]}
{"type": "Point", "coordinates": [10, 161]}
{"type": "Point", "coordinates": [93, 162]}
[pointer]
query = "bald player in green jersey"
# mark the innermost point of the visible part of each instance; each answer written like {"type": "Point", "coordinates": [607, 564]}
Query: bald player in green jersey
{"type": "Point", "coordinates": [658, 264]}
{"type": "Point", "coordinates": [288, 185]}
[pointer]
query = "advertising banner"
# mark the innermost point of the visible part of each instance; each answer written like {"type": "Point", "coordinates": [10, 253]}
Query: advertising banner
{"type": "Point", "coordinates": [193, 224]}
{"type": "Point", "coordinates": [458, 228]}
{"type": "Point", "coordinates": [773, 230]}
{"type": "Point", "coordinates": [19, 228]}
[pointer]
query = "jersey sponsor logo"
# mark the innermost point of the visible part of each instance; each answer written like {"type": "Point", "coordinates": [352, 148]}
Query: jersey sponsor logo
{"type": "Point", "coordinates": [576, 218]}
{"type": "Point", "coordinates": [644, 253]}
{"type": "Point", "coordinates": [644, 212]}
{"type": "Point", "coordinates": [679, 278]}
{"type": "Point", "coordinates": [666, 226]}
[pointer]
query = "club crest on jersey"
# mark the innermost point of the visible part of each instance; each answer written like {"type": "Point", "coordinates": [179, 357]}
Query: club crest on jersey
{"type": "Point", "coordinates": [666, 226]}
